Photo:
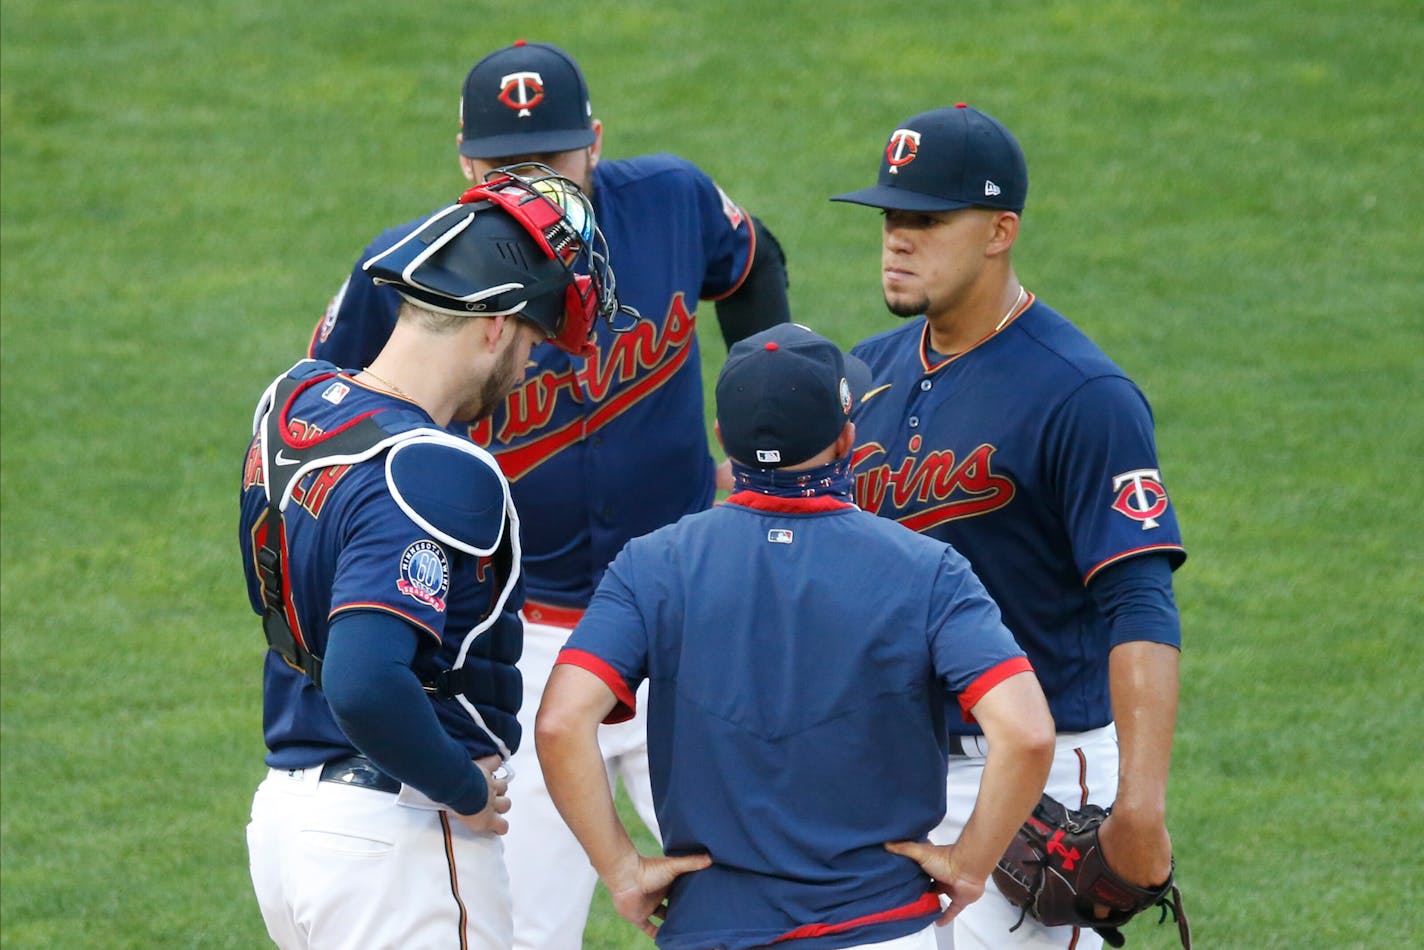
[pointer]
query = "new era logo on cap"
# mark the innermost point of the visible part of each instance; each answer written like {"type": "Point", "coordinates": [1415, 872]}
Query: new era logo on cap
{"type": "Point", "coordinates": [948, 159]}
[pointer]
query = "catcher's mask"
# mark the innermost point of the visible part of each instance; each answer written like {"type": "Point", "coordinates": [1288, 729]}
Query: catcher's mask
{"type": "Point", "coordinates": [523, 243]}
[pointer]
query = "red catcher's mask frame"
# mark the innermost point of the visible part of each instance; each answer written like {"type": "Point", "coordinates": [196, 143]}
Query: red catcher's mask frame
{"type": "Point", "coordinates": [567, 232]}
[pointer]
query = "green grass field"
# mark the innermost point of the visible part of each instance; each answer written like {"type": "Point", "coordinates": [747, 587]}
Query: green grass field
{"type": "Point", "coordinates": [1226, 194]}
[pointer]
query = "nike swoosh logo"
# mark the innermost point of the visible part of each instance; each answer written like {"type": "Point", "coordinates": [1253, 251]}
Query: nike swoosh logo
{"type": "Point", "coordinates": [281, 459]}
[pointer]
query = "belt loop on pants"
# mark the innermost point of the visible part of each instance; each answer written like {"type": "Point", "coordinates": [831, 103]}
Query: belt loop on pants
{"type": "Point", "coordinates": [359, 771]}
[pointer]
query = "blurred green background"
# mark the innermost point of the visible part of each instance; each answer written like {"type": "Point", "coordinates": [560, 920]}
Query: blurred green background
{"type": "Point", "coordinates": [1226, 195]}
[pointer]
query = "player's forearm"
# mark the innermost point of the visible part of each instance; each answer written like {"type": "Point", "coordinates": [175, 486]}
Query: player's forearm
{"type": "Point", "coordinates": [566, 739]}
{"type": "Point", "coordinates": [1143, 678]}
{"type": "Point", "coordinates": [380, 705]}
{"type": "Point", "coordinates": [1019, 729]}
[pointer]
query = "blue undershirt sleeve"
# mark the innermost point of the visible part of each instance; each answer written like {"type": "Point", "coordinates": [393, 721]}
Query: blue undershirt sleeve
{"type": "Point", "coordinates": [1135, 594]}
{"type": "Point", "coordinates": [380, 705]}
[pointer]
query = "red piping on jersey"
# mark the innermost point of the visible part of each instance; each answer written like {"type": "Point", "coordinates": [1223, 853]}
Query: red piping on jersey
{"type": "Point", "coordinates": [988, 680]}
{"type": "Point", "coordinates": [600, 668]}
{"type": "Point", "coordinates": [925, 340]}
{"type": "Point", "coordinates": [1082, 776]}
{"type": "Point", "coordinates": [751, 256]}
{"type": "Point", "coordinates": [1133, 553]}
{"type": "Point", "coordinates": [552, 614]}
{"type": "Point", "coordinates": [787, 506]}
{"type": "Point", "coordinates": [297, 443]}
{"type": "Point", "coordinates": [927, 904]}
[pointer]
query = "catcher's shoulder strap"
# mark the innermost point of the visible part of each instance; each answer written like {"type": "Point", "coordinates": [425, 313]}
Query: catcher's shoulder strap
{"type": "Point", "coordinates": [284, 461]}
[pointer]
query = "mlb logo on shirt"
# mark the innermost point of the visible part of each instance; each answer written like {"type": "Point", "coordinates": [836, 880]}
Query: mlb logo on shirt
{"type": "Point", "coordinates": [779, 535]}
{"type": "Point", "coordinates": [335, 393]}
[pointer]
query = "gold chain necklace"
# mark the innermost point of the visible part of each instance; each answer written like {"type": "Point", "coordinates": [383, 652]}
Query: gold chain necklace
{"type": "Point", "coordinates": [386, 382]}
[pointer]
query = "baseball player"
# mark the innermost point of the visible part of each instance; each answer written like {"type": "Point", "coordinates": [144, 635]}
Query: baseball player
{"type": "Point", "coordinates": [383, 556]}
{"type": "Point", "coordinates": [997, 426]}
{"type": "Point", "coordinates": [597, 448]}
{"type": "Point", "coordinates": [801, 655]}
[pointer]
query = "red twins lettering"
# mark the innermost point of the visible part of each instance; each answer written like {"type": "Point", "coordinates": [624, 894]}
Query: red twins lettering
{"type": "Point", "coordinates": [652, 352]}
{"type": "Point", "coordinates": [957, 489]}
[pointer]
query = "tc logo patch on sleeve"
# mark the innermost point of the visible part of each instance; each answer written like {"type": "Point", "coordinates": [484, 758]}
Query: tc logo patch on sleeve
{"type": "Point", "coordinates": [1140, 496]}
{"type": "Point", "coordinates": [425, 574]}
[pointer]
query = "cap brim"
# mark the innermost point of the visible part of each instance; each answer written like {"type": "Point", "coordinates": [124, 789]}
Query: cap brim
{"type": "Point", "coordinates": [527, 143]}
{"type": "Point", "coordinates": [898, 199]}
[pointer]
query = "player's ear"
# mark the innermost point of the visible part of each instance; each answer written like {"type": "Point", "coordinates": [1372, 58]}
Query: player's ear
{"type": "Point", "coordinates": [1005, 232]}
{"type": "Point", "coordinates": [596, 149]}
{"type": "Point", "coordinates": [494, 329]}
{"type": "Point", "coordinates": [467, 165]}
{"type": "Point", "coordinates": [717, 431]}
{"type": "Point", "coordinates": [846, 440]}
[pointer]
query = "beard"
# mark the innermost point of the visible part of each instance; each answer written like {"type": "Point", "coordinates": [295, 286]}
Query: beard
{"type": "Point", "coordinates": [508, 373]}
{"type": "Point", "coordinates": [904, 307]}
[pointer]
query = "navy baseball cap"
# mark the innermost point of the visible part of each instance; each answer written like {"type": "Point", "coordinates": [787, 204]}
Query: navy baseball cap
{"type": "Point", "coordinates": [525, 99]}
{"type": "Point", "coordinates": [948, 159]}
{"type": "Point", "coordinates": [784, 395]}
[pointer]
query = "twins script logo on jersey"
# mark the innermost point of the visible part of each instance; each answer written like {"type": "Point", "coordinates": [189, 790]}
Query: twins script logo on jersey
{"type": "Point", "coordinates": [930, 491]}
{"type": "Point", "coordinates": [627, 368]}
{"type": "Point", "coordinates": [425, 574]}
{"type": "Point", "coordinates": [521, 91]}
{"type": "Point", "coordinates": [1140, 496]}
{"type": "Point", "coordinates": [904, 144]}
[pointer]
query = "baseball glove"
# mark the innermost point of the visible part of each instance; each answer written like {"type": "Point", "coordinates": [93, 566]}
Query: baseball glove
{"type": "Point", "coordinates": [1054, 871]}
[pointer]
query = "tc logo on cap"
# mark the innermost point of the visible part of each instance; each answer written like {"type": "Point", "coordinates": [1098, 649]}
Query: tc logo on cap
{"type": "Point", "coordinates": [901, 149]}
{"type": "Point", "coordinates": [521, 91]}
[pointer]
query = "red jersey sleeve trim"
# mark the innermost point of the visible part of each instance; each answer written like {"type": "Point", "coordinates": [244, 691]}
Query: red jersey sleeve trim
{"type": "Point", "coordinates": [787, 506]}
{"type": "Point", "coordinates": [988, 680]}
{"type": "Point", "coordinates": [927, 904]}
{"type": "Point", "coordinates": [600, 668]}
{"type": "Point", "coordinates": [1134, 553]}
{"type": "Point", "coordinates": [751, 257]}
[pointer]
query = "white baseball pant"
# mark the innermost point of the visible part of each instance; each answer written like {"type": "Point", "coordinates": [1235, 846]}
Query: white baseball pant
{"type": "Point", "coordinates": [1085, 769]}
{"type": "Point", "coordinates": [337, 867]}
{"type": "Point", "coordinates": [550, 878]}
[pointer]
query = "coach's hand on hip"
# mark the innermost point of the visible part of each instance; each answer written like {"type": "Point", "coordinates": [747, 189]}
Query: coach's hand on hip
{"type": "Point", "coordinates": [639, 886]}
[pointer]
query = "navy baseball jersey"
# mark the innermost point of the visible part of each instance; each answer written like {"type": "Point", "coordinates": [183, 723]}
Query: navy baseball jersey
{"type": "Point", "coordinates": [1034, 456]}
{"type": "Point", "coordinates": [353, 545]}
{"type": "Point", "coordinates": [793, 647]}
{"type": "Point", "coordinates": [601, 450]}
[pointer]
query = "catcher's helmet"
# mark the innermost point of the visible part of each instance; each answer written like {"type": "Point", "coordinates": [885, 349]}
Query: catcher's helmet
{"type": "Point", "coordinates": [510, 246]}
